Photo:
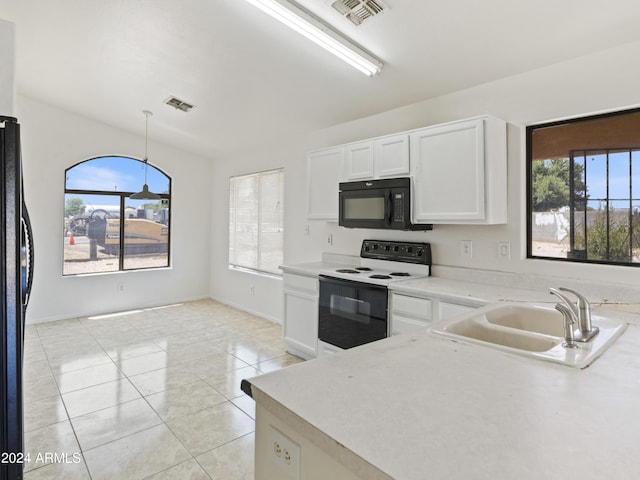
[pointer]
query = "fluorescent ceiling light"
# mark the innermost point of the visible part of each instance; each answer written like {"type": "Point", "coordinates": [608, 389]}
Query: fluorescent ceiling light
{"type": "Point", "coordinates": [303, 22]}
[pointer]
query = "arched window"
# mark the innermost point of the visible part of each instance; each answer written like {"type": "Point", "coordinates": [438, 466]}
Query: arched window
{"type": "Point", "coordinates": [107, 230]}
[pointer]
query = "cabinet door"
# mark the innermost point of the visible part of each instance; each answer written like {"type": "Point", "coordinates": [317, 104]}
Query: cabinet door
{"type": "Point", "coordinates": [391, 155]}
{"type": "Point", "coordinates": [447, 163]}
{"type": "Point", "coordinates": [324, 173]}
{"type": "Point", "coordinates": [301, 323]}
{"type": "Point", "coordinates": [358, 161]}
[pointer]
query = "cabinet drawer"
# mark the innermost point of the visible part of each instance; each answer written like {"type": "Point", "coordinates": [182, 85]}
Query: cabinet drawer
{"type": "Point", "coordinates": [413, 306]}
{"type": "Point", "coordinates": [450, 310]}
{"type": "Point", "coordinates": [300, 283]}
{"type": "Point", "coordinates": [400, 325]}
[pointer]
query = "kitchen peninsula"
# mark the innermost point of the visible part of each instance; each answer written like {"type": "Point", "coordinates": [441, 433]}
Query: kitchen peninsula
{"type": "Point", "coordinates": [415, 406]}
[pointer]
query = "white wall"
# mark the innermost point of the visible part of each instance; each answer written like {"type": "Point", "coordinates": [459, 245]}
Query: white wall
{"type": "Point", "coordinates": [53, 140]}
{"type": "Point", "coordinates": [7, 67]}
{"type": "Point", "coordinates": [602, 81]}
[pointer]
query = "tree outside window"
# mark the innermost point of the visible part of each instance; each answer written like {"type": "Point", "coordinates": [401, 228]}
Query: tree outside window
{"type": "Point", "coordinates": [584, 189]}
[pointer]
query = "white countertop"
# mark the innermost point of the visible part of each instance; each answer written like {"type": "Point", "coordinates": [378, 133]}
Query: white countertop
{"type": "Point", "coordinates": [474, 293]}
{"type": "Point", "coordinates": [417, 406]}
{"type": "Point", "coordinates": [487, 288]}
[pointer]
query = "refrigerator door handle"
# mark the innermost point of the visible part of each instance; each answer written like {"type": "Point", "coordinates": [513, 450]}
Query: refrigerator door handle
{"type": "Point", "coordinates": [27, 261]}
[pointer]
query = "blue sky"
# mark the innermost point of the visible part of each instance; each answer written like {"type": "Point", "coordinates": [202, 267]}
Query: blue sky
{"type": "Point", "coordinates": [618, 175]}
{"type": "Point", "coordinates": [117, 174]}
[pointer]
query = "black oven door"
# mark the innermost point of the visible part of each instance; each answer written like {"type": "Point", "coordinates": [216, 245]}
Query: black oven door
{"type": "Point", "coordinates": [351, 313]}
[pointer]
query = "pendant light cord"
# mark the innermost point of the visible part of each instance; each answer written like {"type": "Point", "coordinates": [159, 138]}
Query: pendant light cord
{"type": "Point", "coordinates": [146, 141]}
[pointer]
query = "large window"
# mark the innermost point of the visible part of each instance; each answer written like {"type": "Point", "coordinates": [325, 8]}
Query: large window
{"type": "Point", "coordinates": [256, 221]}
{"type": "Point", "coordinates": [584, 189]}
{"type": "Point", "coordinates": [104, 229]}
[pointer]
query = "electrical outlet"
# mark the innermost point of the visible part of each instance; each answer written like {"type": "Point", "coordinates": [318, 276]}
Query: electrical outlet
{"type": "Point", "coordinates": [252, 289]}
{"type": "Point", "coordinates": [466, 248]}
{"type": "Point", "coordinates": [504, 250]}
{"type": "Point", "coordinates": [284, 452]}
{"type": "Point", "coordinates": [330, 239]}
{"type": "Point", "coordinates": [306, 229]}
{"type": "Point", "coordinates": [121, 288]}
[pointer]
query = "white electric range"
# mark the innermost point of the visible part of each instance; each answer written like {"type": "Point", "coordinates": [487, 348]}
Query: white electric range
{"type": "Point", "coordinates": [353, 302]}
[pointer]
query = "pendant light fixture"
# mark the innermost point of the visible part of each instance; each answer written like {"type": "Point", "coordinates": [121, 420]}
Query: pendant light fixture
{"type": "Point", "coordinates": [145, 194]}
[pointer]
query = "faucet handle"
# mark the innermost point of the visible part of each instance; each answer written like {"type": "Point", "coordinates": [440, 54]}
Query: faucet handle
{"type": "Point", "coordinates": [569, 319]}
{"type": "Point", "coordinates": [582, 300]}
{"type": "Point", "coordinates": [567, 301]}
{"type": "Point", "coordinates": [582, 309]}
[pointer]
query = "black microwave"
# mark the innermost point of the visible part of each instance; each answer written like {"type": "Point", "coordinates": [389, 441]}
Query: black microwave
{"type": "Point", "coordinates": [383, 204]}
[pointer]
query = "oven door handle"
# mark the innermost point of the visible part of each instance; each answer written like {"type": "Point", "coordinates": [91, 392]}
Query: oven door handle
{"type": "Point", "coordinates": [354, 300]}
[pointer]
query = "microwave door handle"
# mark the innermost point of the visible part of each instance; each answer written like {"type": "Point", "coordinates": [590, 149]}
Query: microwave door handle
{"type": "Point", "coordinates": [387, 209]}
{"type": "Point", "coordinates": [389, 213]}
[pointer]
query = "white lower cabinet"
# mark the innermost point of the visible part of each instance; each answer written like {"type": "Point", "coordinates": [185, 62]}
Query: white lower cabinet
{"type": "Point", "coordinates": [410, 314]}
{"type": "Point", "coordinates": [300, 324]}
{"type": "Point", "coordinates": [448, 310]}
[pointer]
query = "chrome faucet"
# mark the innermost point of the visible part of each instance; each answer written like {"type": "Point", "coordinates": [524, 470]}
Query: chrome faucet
{"type": "Point", "coordinates": [581, 311]}
{"type": "Point", "coordinates": [569, 318]}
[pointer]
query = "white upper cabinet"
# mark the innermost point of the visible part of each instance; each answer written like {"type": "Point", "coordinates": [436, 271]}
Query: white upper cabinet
{"type": "Point", "coordinates": [324, 173]}
{"type": "Point", "coordinates": [460, 172]}
{"type": "Point", "coordinates": [391, 156]}
{"type": "Point", "coordinates": [382, 157]}
{"type": "Point", "coordinates": [358, 161]}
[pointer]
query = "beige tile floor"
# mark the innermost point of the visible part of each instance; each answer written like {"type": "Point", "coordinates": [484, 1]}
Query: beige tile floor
{"type": "Point", "coordinates": [150, 394]}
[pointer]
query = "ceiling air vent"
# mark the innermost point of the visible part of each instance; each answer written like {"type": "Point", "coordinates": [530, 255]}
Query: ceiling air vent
{"type": "Point", "coordinates": [357, 11]}
{"type": "Point", "coordinates": [178, 104]}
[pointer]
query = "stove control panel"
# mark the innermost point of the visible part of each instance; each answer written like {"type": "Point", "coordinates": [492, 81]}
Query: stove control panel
{"type": "Point", "coordinates": [408, 252]}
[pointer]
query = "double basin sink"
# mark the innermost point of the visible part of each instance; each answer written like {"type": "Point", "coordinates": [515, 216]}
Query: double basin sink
{"type": "Point", "coordinates": [529, 330]}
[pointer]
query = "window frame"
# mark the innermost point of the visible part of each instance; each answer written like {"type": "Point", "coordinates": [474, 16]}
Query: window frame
{"type": "Point", "coordinates": [530, 129]}
{"type": "Point", "coordinates": [258, 251]}
{"type": "Point", "coordinates": [123, 196]}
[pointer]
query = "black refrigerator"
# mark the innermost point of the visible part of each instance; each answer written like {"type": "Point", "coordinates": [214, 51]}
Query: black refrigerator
{"type": "Point", "coordinates": [17, 274]}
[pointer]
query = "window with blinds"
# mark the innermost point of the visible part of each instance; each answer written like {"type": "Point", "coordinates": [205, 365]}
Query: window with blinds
{"type": "Point", "coordinates": [256, 221]}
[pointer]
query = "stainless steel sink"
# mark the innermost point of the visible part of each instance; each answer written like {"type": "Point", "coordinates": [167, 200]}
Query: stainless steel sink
{"type": "Point", "coordinates": [529, 330]}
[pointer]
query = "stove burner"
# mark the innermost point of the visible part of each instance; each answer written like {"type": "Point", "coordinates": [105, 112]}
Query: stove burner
{"type": "Point", "coordinates": [400, 274]}
{"type": "Point", "coordinates": [383, 277]}
{"type": "Point", "coordinates": [347, 270]}
{"type": "Point", "coordinates": [363, 269]}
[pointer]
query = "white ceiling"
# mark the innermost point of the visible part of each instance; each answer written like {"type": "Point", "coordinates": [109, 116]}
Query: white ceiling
{"type": "Point", "coordinates": [252, 79]}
